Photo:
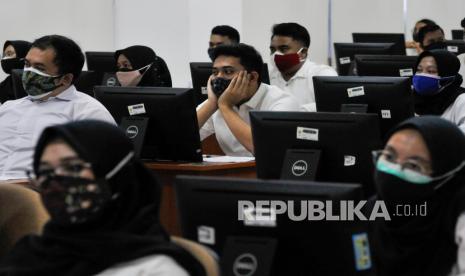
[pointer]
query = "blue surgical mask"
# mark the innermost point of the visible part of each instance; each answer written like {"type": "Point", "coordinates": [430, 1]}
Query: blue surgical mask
{"type": "Point", "coordinates": [429, 85]}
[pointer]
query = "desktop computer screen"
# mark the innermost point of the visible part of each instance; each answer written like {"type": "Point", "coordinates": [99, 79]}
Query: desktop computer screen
{"type": "Point", "coordinates": [172, 131]}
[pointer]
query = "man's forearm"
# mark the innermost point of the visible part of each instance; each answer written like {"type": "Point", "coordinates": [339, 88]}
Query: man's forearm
{"type": "Point", "coordinates": [205, 112]}
{"type": "Point", "coordinates": [240, 129]}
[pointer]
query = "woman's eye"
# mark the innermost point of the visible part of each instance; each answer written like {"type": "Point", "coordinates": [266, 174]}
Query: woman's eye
{"type": "Point", "coordinates": [412, 166]}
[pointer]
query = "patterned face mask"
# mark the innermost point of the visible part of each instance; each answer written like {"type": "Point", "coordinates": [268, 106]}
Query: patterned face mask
{"type": "Point", "coordinates": [73, 200]}
{"type": "Point", "coordinates": [38, 84]}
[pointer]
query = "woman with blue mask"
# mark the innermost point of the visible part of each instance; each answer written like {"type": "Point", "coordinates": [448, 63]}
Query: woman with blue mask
{"type": "Point", "coordinates": [420, 176]}
{"type": "Point", "coordinates": [436, 86]}
{"type": "Point", "coordinates": [103, 205]}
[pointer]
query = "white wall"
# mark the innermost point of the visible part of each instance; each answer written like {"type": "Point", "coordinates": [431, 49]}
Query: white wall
{"type": "Point", "coordinates": [260, 15]}
{"type": "Point", "coordinates": [178, 30]}
{"type": "Point", "coordinates": [88, 22]}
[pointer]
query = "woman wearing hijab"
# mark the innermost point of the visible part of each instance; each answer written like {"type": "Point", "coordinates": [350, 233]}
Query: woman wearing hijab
{"type": "Point", "coordinates": [422, 167]}
{"type": "Point", "coordinates": [103, 205]}
{"type": "Point", "coordinates": [437, 88]}
{"type": "Point", "coordinates": [13, 53]}
{"type": "Point", "coordinates": [140, 66]}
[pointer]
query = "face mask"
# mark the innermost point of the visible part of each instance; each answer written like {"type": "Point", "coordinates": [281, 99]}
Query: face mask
{"type": "Point", "coordinates": [429, 85]}
{"type": "Point", "coordinates": [38, 84]}
{"type": "Point", "coordinates": [130, 78]}
{"type": "Point", "coordinates": [285, 62]}
{"type": "Point", "coordinates": [395, 184]}
{"type": "Point", "coordinates": [9, 64]}
{"type": "Point", "coordinates": [440, 45]}
{"type": "Point", "coordinates": [74, 200]}
{"type": "Point", "coordinates": [210, 53]}
{"type": "Point", "coordinates": [219, 85]}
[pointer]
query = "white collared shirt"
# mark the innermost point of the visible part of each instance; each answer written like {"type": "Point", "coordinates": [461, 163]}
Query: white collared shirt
{"type": "Point", "coordinates": [22, 122]}
{"type": "Point", "coordinates": [461, 57]}
{"type": "Point", "coordinates": [455, 113]}
{"type": "Point", "coordinates": [301, 84]}
{"type": "Point", "coordinates": [267, 98]}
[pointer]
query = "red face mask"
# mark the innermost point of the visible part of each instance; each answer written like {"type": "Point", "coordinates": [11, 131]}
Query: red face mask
{"type": "Point", "coordinates": [287, 61]}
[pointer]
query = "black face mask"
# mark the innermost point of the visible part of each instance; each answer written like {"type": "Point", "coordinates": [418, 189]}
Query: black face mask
{"type": "Point", "coordinates": [395, 190]}
{"type": "Point", "coordinates": [74, 200]}
{"type": "Point", "coordinates": [439, 45]}
{"type": "Point", "coordinates": [12, 63]}
{"type": "Point", "coordinates": [219, 85]}
{"type": "Point", "coordinates": [210, 53]}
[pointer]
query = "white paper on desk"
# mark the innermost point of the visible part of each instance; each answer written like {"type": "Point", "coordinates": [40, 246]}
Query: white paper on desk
{"type": "Point", "coordinates": [228, 159]}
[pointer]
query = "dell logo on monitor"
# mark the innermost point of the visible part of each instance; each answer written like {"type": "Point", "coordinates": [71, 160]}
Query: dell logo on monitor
{"type": "Point", "coordinates": [132, 131]}
{"type": "Point", "coordinates": [299, 168]}
{"type": "Point", "coordinates": [111, 81]}
{"type": "Point", "coordinates": [245, 265]}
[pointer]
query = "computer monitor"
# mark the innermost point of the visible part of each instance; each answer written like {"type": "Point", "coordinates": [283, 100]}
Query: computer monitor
{"type": "Point", "coordinates": [397, 38]}
{"type": "Point", "coordinates": [87, 80]}
{"type": "Point", "coordinates": [390, 98]}
{"type": "Point", "coordinates": [101, 61]}
{"type": "Point", "coordinates": [455, 46]}
{"type": "Point", "coordinates": [84, 83]}
{"type": "Point", "coordinates": [201, 71]}
{"type": "Point", "coordinates": [385, 65]}
{"type": "Point", "coordinates": [209, 213]}
{"type": "Point", "coordinates": [172, 131]}
{"type": "Point", "coordinates": [344, 139]}
{"type": "Point", "coordinates": [345, 53]}
{"type": "Point", "coordinates": [457, 34]}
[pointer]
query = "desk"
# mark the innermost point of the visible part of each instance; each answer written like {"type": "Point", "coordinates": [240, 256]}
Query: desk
{"type": "Point", "coordinates": [167, 171]}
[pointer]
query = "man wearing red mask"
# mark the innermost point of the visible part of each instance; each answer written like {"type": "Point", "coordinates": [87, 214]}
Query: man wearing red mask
{"type": "Point", "coordinates": [293, 71]}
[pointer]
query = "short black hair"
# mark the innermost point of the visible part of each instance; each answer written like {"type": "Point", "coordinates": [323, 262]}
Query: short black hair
{"type": "Point", "coordinates": [225, 30]}
{"type": "Point", "coordinates": [426, 21]}
{"type": "Point", "coordinates": [68, 55]}
{"type": "Point", "coordinates": [427, 29]}
{"type": "Point", "coordinates": [463, 23]}
{"type": "Point", "coordinates": [248, 57]}
{"type": "Point", "coordinates": [294, 30]}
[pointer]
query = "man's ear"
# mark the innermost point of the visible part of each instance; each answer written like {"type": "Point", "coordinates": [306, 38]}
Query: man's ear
{"type": "Point", "coordinates": [254, 76]}
{"type": "Point", "coordinates": [67, 79]}
{"type": "Point", "coordinates": [304, 53]}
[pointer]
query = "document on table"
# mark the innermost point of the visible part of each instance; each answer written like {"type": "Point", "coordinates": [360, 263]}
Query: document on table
{"type": "Point", "coordinates": [226, 159]}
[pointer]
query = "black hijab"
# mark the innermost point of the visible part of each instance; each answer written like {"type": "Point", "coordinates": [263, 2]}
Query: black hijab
{"type": "Point", "coordinates": [157, 75]}
{"type": "Point", "coordinates": [448, 66]}
{"type": "Point", "coordinates": [425, 245]}
{"type": "Point", "coordinates": [6, 86]}
{"type": "Point", "coordinates": [129, 227]}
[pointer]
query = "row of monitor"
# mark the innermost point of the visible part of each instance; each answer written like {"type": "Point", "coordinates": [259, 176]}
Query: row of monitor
{"type": "Point", "coordinates": [172, 128]}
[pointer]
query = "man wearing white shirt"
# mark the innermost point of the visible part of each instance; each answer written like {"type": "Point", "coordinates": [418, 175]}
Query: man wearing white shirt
{"type": "Point", "coordinates": [291, 69]}
{"type": "Point", "coordinates": [234, 89]}
{"type": "Point", "coordinates": [51, 66]}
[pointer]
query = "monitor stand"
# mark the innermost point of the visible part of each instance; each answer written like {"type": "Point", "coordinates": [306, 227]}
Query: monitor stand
{"type": "Point", "coordinates": [248, 256]}
{"type": "Point", "coordinates": [354, 108]}
{"type": "Point", "coordinates": [135, 129]}
{"type": "Point", "coordinates": [300, 164]}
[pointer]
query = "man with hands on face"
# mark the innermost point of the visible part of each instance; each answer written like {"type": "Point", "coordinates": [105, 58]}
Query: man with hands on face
{"type": "Point", "coordinates": [234, 89]}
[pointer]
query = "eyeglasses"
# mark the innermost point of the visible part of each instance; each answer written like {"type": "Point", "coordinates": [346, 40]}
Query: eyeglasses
{"type": "Point", "coordinates": [68, 169]}
{"type": "Point", "coordinates": [409, 164]}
